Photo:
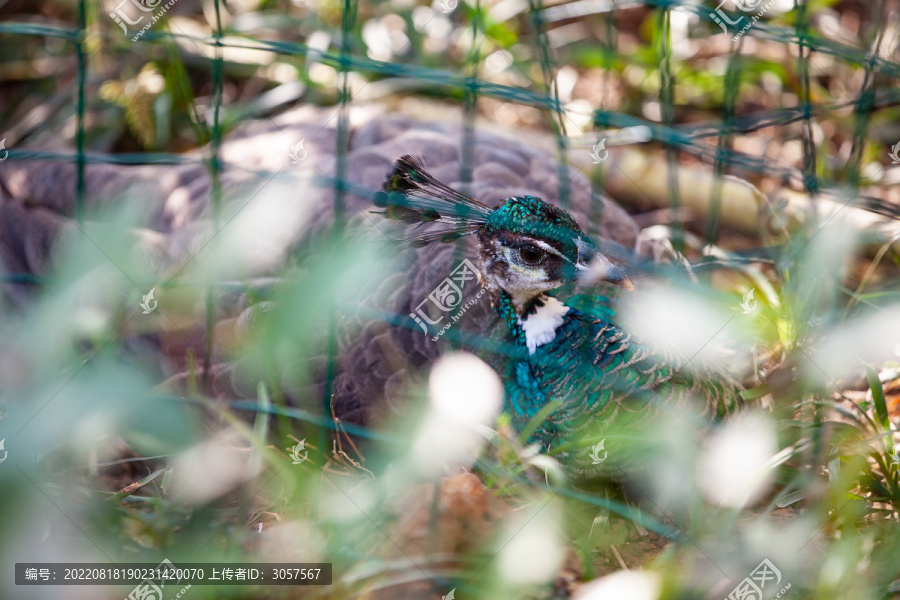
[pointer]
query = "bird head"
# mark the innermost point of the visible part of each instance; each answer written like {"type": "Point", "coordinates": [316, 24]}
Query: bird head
{"type": "Point", "coordinates": [526, 246]}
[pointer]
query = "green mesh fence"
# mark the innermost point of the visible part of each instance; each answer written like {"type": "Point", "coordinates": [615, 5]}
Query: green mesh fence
{"type": "Point", "coordinates": [95, 35]}
{"type": "Point", "coordinates": [869, 108]}
{"type": "Point", "coordinates": [464, 82]}
{"type": "Point", "coordinates": [96, 28]}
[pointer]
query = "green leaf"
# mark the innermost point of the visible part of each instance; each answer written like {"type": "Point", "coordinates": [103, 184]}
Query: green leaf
{"type": "Point", "coordinates": [539, 418]}
{"type": "Point", "coordinates": [132, 488]}
{"type": "Point", "coordinates": [261, 424]}
{"type": "Point", "coordinates": [757, 392]}
{"type": "Point", "coordinates": [881, 411]}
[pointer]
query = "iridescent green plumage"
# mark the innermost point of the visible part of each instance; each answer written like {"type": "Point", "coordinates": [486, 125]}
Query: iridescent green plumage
{"type": "Point", "coordinates": [605, 383]}
{"type": "Point", "coordinates": [610, 386]}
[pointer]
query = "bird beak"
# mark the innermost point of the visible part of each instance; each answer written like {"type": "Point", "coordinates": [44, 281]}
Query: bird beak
{"type": "Point", "coordinates": [616, 275]}
{"type": "Point", "coordinates": [593, 267]}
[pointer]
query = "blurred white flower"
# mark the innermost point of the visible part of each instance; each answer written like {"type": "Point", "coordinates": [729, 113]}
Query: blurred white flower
{"type": "Point", "coordinates": [566, 78]}
{"type": "Point", "coordinates": [91, 321]}
{"type": "Point", "coordinates": [735, 466]}
{"type": "Point", "coordinates": [497, 62]}
{"type": "Point", "coordinates": [633, 585]}
{"type": "Point", "coordinates": [259, 235]}
{"type": "Point", "coordinates": [465, 390]}
{"type": "Point", "coordinates": [318, 43]}
{"type": "Point", "coordinates": [533, 553]}
{"type": "Point", "coordinates": [293, 541]}
{"type": "Point", "coordinates": [212, 468]}
{"type": "Point", "coordinates": [676, 445]}
{"type": "Point", "coordinates": [384, 37]}
{"type": "Point", "coordinates": [465, 395]}
{"type": "Point", "coordinates": [436, 28]}
{"type": "Point", "coordinates": [684, 322]}
{"type": "Point", "coordinates": [344, 502]}
{"type": "Point", "coordinates": [846, 347]}
{"type": "Point", "coordinates": [581, 113]}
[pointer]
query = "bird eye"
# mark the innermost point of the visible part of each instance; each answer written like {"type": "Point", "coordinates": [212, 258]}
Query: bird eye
{"type": "Point", "coordinates": [531, 255]}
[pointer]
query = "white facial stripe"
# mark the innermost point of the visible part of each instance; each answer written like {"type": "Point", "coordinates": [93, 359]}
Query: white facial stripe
{"type": "Point", "coordinates": [550, 249]}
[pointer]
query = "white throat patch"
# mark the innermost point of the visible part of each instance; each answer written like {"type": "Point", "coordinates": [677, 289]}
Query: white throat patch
{"type": "Point", "coordinates": [540, 326]}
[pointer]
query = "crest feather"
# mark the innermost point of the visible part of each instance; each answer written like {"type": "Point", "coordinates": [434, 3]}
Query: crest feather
{"type": "Point", "coordinates": [411, 195]}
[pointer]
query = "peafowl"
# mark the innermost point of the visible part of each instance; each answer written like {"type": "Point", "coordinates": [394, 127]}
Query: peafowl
{"type": "Point", "coordinates": [375, 360]}
{"type": "Point", "coordinates": [598, 377]}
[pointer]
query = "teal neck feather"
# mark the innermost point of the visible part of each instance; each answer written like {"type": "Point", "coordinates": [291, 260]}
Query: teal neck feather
{"type": "Point", "coordinates": [507, 311]}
